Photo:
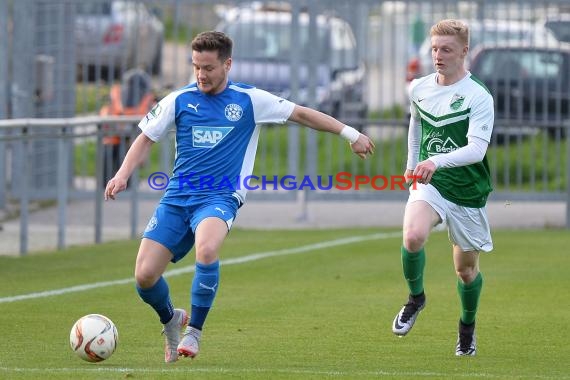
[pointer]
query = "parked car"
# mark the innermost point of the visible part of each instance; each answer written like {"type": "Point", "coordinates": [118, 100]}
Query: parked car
{"type": "Point", "coordinates": [118, 35]}
{"type": "Point", "coordinates": [559, 25]}
{"type": "Point", "coordinates": [262, 57]}
{"type": "Point", "coordinates": [486, 31]}
{"type": "Point", "coordinates": [530, 87]}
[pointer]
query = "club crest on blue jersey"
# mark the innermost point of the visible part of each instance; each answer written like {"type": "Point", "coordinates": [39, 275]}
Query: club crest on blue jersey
{"type": "Point", "coordinates": [208, 137]}
{"type": "Point", "coordinates": [233, 112]}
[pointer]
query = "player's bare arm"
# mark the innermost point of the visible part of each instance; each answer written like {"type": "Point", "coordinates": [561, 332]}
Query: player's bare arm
{"type": "Point", "coordinates": [136, 155]}
{"type": "Point", "coordinates": [360, 143]}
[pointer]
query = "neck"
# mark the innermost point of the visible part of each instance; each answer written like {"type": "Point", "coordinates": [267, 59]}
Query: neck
{"type": "Point", "coordinates": [447, 80]}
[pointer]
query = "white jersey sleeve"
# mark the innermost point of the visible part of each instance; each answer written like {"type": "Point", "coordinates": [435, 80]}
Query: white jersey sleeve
{"type": "Point", "coordinates": [269, 108]}
{"type": "Point", "coordinates": [482, 118]}
{"type": "Point", "coordinates": [413, 131]}
{"type": "Point", "coordinates": [413, 143]}
{"type": "Point", "coordinates": [471, 153]}
{"type": "Point", "coordinates": [160, 118]}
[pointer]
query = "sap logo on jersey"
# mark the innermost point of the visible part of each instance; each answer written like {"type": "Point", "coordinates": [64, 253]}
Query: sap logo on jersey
{"type": "Point", "coordinates": [209, 137]}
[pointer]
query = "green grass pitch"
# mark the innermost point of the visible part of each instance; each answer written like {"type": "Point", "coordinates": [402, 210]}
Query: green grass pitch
{"type": "Point", "coordinates": [310, 304]}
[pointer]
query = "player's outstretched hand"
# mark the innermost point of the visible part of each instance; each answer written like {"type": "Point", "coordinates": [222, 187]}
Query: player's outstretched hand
{"type": "Point", "coordinates": [363, 146]}
{"type": "Point", "coordinates": [114, 186]}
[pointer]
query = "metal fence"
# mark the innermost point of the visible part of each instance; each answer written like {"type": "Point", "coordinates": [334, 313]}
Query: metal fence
{"type": "Point", "coordinates": [63, 63]}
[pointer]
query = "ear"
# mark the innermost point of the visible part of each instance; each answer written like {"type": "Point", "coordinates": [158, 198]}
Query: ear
{"type": "Point", "coordinates": [228, 64]}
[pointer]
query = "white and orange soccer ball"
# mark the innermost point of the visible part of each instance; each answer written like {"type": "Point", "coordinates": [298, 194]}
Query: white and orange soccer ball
{"type": "Point", "coordinates": [94, 337]}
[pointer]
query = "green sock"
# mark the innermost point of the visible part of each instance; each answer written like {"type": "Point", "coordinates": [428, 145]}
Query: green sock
{"type": "Point", "coordinates": [413, 264]}
{"type": "Point", "coordinates": [469, 295]}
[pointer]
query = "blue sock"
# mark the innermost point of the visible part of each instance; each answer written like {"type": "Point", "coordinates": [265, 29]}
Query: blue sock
{"type": "Point", "coordinates": [158, 297]}
{"type": "Point", "coordinates": [204, 289]}
{"type": "Point", "coordinates": [198, 316]}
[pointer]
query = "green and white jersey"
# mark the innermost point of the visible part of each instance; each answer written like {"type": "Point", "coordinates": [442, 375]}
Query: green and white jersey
{"type": "Point", "coordinates": [446, 116]}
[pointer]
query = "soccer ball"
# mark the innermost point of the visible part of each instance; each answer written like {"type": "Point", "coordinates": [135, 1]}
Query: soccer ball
{"type": "Point", "coordinates": [93, 337]}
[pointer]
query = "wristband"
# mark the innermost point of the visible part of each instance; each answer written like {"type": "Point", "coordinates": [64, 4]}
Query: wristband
{"type": "Point", "coordinates": [350, 134]}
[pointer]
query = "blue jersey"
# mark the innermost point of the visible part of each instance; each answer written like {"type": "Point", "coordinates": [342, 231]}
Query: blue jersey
{"type": "Point", "coordinates": [216, 137]}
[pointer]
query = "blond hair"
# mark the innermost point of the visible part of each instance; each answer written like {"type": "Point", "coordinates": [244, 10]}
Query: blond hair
{"type": "Point", "coordinates": [451, 27]}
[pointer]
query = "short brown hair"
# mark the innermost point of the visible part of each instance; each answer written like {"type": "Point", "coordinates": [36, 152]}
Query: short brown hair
{"type": "Point", "coordinates": [213, 41]}
{"type": "Point", "coordinates": [451, 27]}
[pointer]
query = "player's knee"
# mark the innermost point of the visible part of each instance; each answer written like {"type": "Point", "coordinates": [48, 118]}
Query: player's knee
{"type": "Point", "coordinates": [413, 240]}
{"type": "Point", "coordinates": [144, 277]}
{"type": "Point", "coordinates": [206, 252]}
{"type": "Point", "coordinates": [466, 274]}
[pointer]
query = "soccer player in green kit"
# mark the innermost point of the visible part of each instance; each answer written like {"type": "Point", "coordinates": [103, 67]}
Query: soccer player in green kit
{"type": "Point", "coordinates": [450, 129]}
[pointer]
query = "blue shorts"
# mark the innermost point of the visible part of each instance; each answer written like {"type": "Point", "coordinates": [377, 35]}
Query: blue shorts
{"type": "Point", "coordinates": [174, 226]}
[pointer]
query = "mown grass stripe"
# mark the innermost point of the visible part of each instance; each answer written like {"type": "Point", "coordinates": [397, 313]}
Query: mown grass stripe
{"type": "Point", "coordinates": [282, 371]}
{"type": "Point", "coordinates": [190, 268]}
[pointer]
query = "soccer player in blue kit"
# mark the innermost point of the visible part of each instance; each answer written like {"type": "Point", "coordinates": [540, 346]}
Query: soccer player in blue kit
{"type": "Point", "coordinates": [217, 128]}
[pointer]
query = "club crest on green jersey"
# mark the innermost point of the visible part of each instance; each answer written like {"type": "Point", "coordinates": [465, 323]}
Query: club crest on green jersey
{"type": "Point", "coordinates": [456, 102]}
